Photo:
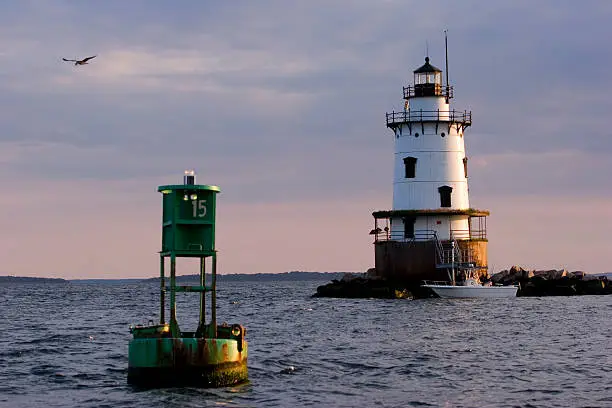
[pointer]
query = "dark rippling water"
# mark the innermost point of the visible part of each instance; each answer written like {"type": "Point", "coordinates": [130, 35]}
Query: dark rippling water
{"type": "Point", "coordinates": [66, 346]}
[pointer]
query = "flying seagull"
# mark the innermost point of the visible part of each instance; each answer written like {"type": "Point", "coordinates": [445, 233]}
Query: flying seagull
{"type": "Point", "coordinates": [80, 62]}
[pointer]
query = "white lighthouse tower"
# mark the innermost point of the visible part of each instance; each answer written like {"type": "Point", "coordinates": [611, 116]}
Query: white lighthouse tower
{"type": "Point", "coordinates": [431, 231]}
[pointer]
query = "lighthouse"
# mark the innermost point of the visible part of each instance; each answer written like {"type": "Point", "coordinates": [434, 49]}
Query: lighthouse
{"type": "Point", "coordinates": [432, 232]}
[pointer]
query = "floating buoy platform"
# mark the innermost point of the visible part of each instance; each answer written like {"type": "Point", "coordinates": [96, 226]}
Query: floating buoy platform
{"type": "Point", "coordinates": [161, 355]}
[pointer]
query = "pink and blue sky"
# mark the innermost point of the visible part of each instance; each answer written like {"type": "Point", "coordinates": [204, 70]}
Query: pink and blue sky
{"type": "Point", "coordinates": [282, 105]}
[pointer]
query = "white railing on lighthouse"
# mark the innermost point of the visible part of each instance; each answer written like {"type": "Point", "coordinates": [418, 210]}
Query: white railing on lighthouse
{"type": "Point", "coordinates": [419, 115]}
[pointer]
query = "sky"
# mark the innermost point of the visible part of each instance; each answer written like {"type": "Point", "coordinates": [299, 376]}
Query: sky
{"type": "Point", "coordinates": [282, 104]}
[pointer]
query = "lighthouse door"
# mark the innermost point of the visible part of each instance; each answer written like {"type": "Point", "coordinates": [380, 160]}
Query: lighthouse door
{"type": "Point", "coordinates": [409, 227]}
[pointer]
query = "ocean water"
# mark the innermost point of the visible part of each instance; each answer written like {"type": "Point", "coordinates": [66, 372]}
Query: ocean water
{"type": "Point", "coordinates": [66, 346]}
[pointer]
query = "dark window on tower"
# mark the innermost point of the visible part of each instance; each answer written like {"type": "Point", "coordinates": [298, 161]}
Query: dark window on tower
{"type": "Point", "coordinates": [410, 167]}
{"type": "Point", "coordinates": [465, 159]}
{"type": "Point", "coordinates": [409, 227]}
{"type": "Point", "coordinates": [445, 196]}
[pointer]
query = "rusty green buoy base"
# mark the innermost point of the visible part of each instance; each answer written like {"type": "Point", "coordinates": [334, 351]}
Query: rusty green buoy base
{"type": "Point", "coordinates": [155, 359]}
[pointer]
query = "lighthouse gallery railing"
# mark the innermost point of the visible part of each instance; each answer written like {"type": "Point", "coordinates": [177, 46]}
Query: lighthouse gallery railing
{"type": "Point", "coordinates": [410, 116]}
{"type": "Point", "coordinates": [412, 91]}
{"type": "Point", "coordinates": [429, 235]}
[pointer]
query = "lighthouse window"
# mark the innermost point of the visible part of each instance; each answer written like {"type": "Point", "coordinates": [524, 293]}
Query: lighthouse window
{"type": "Point", "coordinates": [410, 167]}
{"type": "Point", "coordinates": [445, 196]}
{"type": "Point", "coordinates": [465, 160]}
{"type": "Point", "coordinates": [409, 227]}
{"type": "Point", "coordinates": [427, 78]}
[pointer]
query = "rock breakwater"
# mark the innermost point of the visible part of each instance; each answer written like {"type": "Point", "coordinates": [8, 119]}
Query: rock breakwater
{"type": "Point", "coordinates": [553, 282]}
{"type": "Point", "coordinates": [550, 282]}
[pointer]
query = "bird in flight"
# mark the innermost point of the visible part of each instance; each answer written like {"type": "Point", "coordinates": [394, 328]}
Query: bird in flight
{"type": "Point", "coordinates": [80, 62]}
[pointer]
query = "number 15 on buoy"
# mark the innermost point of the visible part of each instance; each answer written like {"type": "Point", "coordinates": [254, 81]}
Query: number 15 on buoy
{"type": "Point", "coordinates": [199, 208]}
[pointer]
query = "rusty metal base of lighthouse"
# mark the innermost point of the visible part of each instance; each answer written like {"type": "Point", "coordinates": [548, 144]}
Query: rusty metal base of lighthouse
{"type": "Point", "coordinates": [411, 262]}
{"type": "Point", "coordinates": [429, 255]}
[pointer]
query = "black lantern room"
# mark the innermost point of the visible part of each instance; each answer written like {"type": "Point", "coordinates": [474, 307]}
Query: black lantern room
{"type": "Point", "coordinates": [427, 80]}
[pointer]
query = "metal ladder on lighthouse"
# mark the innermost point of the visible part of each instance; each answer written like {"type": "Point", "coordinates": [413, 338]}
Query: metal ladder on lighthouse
{"type": "Point", "coordinates": [450, 256]}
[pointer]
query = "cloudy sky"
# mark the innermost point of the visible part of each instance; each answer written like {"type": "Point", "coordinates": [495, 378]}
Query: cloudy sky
{"type": "Point", "coordinates": [282, 103]}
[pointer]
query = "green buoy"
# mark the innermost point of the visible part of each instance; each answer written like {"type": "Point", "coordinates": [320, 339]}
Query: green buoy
{"type": "Point", "coordinates": [161, 355]}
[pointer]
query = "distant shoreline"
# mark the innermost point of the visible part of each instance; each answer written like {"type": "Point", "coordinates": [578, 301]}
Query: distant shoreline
{"type": "Point", "coordinates": [236, 277]}
{"type": "Point", "coordinates": [30, 279]}
{"type": "Point", "coordinates": [244, 277]}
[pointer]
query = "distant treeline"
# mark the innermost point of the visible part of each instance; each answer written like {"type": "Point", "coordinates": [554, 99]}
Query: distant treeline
{"type": "Point", "coordinates": [238, 277]}
{"type": "Point", "coordinates": [249, 277]}
{"type": "Point", "coordinates": [28, 279]}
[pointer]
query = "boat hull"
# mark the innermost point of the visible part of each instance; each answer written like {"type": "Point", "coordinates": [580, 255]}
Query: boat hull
{"type": "Point", "coordinates": [449, 291]}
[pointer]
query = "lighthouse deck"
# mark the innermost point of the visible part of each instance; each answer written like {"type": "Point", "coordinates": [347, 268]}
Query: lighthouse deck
{"type": "Point", "coordinates": [472, 212]}
{"type": "Point", "coordinates": [408, 116]}
{"type": "Point", "coordinates": [429, 235]}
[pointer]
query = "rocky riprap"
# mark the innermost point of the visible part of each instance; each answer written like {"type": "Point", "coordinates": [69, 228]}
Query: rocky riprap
{"type": "Point", "coordinates": [368, 285]}
{"type": "Point", "coordinates": [363, 286]}
{"type": "Point", "coordinates": [531, 283]}
{"type": "Point", "coordinates": [553, 282]}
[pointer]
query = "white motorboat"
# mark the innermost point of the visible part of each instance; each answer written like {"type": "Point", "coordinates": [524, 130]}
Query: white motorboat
{"type": "Point", "coordinates": [468, 287]}
{"type": "Point", "coordinates": [471, 288]}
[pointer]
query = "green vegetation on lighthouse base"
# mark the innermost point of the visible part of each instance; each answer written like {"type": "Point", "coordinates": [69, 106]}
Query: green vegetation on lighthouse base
{"type": "Point", "coordinates": [161, 355]}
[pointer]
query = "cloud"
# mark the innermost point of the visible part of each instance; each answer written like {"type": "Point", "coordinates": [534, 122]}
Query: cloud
{"type": "Point", "coordinates": [532, 231]}
{"type": "Point", "coordinates": [112, 229]}
{"type": "Point", "coordinates": [283, 103]}
{"type": "Point", "coordinates": [561, 173]}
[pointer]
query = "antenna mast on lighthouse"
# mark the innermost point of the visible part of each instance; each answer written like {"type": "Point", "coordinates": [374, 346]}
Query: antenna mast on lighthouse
{"type": "Point", "coordinates": [446, 58]}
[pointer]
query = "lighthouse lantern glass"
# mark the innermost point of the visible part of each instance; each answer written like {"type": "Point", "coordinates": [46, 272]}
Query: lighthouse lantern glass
{"type": "Point", "coordinates": [427, 78]}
